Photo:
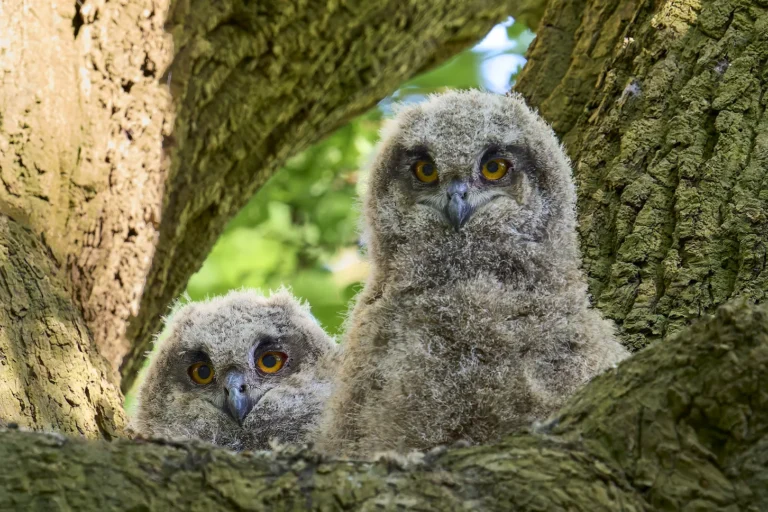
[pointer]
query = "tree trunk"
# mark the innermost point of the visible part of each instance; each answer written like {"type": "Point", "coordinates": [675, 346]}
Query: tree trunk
{"type": "Point", "coordinates": [681, 426]}
{"type": "Point", "coordinates": [51, 377]}
{"type": "Point", "coordinates": [662, 107]}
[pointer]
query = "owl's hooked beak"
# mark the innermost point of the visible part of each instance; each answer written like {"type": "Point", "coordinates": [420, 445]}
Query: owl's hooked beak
{"type": "Point", "coordinates": [239, 403]}
{"type": "Point", "coordinates": [457, 209]}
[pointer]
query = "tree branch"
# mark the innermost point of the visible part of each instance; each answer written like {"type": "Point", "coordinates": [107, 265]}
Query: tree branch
{"type": "Point", "coordinates": [681, 424]}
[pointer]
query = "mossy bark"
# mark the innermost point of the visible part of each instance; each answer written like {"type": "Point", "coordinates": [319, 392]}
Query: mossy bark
{"type": "Point", "coordinates": [682, 425]}
{"type": "Point", "coordinates": [662, 107]}
{"type": "Point", "coordinates": [51, 376]}
{"type": "Point", "coordinates": [124, 148]}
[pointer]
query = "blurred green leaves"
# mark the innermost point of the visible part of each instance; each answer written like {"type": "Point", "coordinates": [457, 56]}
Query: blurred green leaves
{"type": "Point", "coordinates": [293, 229]}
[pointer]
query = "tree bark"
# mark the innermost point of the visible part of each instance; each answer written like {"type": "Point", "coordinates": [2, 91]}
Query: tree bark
{"type": "Point", "coordinates": [682, 425]}
{"type": "Point", "coordinates": [662, 108]}
{"type": "Point", "coordinates": [128, 136]}
{"type": "Point", "coordinates": [51, 377]}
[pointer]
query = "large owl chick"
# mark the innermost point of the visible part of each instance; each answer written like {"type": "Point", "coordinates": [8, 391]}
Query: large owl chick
{"type": "Point", "coordinates": [475, 319]}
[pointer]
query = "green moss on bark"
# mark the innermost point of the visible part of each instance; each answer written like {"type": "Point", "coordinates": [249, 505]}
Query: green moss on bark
{"type": "Point", "coordinates": [666, 126]}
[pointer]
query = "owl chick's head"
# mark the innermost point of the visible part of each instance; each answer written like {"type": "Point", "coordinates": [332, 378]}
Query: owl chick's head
{"type": "Point", "coordinates": [236, 371]}
{"type": "Point", "coordinates": [466, 167]}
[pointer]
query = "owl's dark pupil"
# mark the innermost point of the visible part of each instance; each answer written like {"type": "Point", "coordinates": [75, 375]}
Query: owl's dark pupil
{"type": "Point", "coordinates": [492, 166]}
{"type": "Point", "coordinates": [204, 371]}
{"type": "Point", "coordinates": [269, 361]}
{"type": "Point", "coordinates": [427, 170]}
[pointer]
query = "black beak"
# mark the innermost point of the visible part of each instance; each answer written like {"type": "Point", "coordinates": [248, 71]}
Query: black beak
{"type": "Point", "coordinates": [458, 210]}
{"type": "Point", "coordinates": [239, 403]}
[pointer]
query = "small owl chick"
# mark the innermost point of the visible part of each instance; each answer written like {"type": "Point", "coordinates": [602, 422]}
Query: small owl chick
{"type": "Point", "coordinates": [475, 319]}
{"type": "Point", "coordinates": [237, 371]}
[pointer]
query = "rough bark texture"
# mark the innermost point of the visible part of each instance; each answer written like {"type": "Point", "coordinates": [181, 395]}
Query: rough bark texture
{"type": "Point", "coordinates": [115, 185]}
{"type": "Point", "coordinates": [662, 109]}
{"type": "Point", "coordinates": [51, 377]}
{"type": "Point", "coordinates": [80, 144]}
{"type": "Point", "coordinates": [682, 425]}
{"type": "Point", "coordinates": [686, 420]}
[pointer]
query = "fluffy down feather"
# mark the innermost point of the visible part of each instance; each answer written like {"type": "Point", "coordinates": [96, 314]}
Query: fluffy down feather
{"type": "Point", "coordinates": [464, 334]}
{"type": "Point", "coordinates": [230, 333]}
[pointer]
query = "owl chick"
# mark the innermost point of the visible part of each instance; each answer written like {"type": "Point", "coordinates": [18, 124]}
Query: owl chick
{"type": "Point", "coordinates": [237, 371]}
{"type": "Point", "coordinates": [475, 319]}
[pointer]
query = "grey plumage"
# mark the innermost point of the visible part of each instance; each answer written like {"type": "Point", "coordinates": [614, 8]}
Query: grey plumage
{"type": "Point", "coordinates": [475, 319]}
{"type": "Point", "coordinates": [241, 337]}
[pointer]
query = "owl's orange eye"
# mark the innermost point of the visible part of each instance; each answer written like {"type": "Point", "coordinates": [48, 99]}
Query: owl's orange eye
{"type": "Point", "coordinates": [495, 169]}
{"type": "Point", "coordinates": [425, 171]}
{"type": "Point", "coordinates": [201, 373]}
{"type": "Point", "coordinates": [271, 362]}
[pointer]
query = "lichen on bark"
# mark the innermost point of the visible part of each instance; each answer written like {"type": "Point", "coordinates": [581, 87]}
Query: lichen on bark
{"type": "Point", "coordinates": [662, 107]}
{"type": "Point", "coordinates": [665, 122]}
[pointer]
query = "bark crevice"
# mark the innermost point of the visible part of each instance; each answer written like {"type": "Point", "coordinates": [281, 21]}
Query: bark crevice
{"type": "Point", "coordinates": [45, 343]}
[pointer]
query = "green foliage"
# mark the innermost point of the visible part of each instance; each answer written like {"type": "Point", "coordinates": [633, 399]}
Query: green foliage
{"type": "Point", "coordinates": [293, 229]}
